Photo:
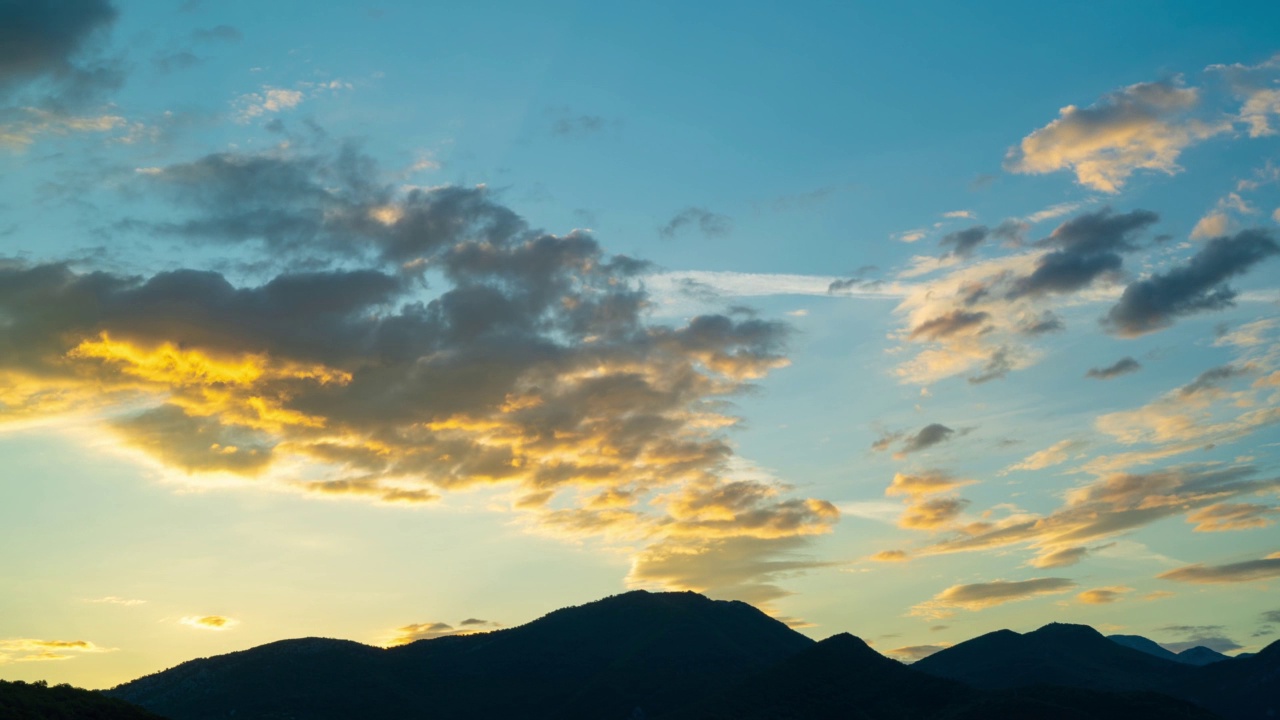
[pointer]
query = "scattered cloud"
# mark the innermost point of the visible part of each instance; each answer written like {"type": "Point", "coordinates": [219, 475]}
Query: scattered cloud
{"type": "Point", "coordinates": [912, 653]}
{"type": "Point", "coordinates": [216, 623]}
{"type": "Point", "coordinates": [1060, 558]}
{"type": "Point", "coordinates": [1197, 286]}
{"type": "Point", "coordinates": [430, 630]}
{"type": "Point", "coordinates": [1141, 127]}
{"type": "Point", "coordinates": [928, 436]}
{"type": "Point", "coordinates": [17, 650]}
{"type": "Point", "coordinates": [979, 596]}
{"type": "Point", "coordinates": [891, 556]}
{"type": "Point", "coordinates": [708, 223]}
{"type": "Point", "coordinates": [1237, 572]}
{"type": "Point", "coordinates": [1123, 366]}
{"type": "Point", "coordinates": [1103, 595]}
{"type": "Point", "coordinates": [1055, 454]}
{"type": "Point", "coordinates": [113, 600]}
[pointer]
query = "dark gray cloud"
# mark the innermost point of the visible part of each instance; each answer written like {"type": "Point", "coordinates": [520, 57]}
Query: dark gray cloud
{"type": "Point", "coordinates": [1123, 366]}
{"type": "Point", "coordinates": [708, 223]}
{"type": "Point", "coordinates": [1212, 378]}
{"type": "Point", "coordinates": [1086, 247]}
{"type": "Point", "coordinates": [1197, 286]}
{"type": "Point", "coordinates": [964, 242]}
{"type": "Point", "coordinates": [930, 435]}
{"type": "Point", "coordinates": [1271, 616]}
{"type": "Point", "coordinates": [53, 43]}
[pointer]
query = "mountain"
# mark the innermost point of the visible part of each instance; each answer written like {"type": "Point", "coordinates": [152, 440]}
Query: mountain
{"type": "Point", "coordinates": [1198, 655]}
{"type": "Point", "coordinates": [841, 678]}
{"type": "Point", "coordinates": [37, 701]}
{"type": "Point", "coordinates": [1057, 654]}
{"type": "Point", "coordinates": [1146, 645]}
{"type": "Point", "coordinates": [1076, 656]}
{"type": "Point", "coordinates": [1201, 655]}
{"type": "Point", "coordinates": [681, 656]}
{"type": "Point", "coordinates": [652, 651]}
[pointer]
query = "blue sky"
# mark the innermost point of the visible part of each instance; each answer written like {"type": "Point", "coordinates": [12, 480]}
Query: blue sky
{"type": "Point", "coordinates": [914, 322]}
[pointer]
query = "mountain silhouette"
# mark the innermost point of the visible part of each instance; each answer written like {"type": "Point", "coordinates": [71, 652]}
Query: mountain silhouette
{"type": "Point", "coordinates": [651, 652]}
{"type": "Point", "coordinates": [37, 701]}
{"type": "Point", "coordinates": [1077, 656]}
{"type": "Point", "coordinates": [841, 678]}
{"type": "Point", "coordinates": [1198, 655]}
{"type": "Point", "coordinates": [1201, 655]}
{"type": "Point", "coordinates": [681, 656]}
{"type": "Point", "coordinates": [1146, 645]}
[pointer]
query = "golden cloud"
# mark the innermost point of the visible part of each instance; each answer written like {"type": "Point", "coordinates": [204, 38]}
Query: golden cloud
{"type": "Point", "coordinates": [209, 622]}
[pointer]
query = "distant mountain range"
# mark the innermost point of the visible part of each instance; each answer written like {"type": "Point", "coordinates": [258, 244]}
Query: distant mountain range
{"type": "Point", "coordinates": [37, 701]}
{"type": "Point", "coordinates": [1198, 655]}
{"type": "Point", "coordinates": [681, 656]}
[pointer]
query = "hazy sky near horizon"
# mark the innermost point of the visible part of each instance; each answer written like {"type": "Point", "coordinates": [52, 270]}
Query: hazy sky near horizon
{"type": "Point", "coordinates": [914, 321]}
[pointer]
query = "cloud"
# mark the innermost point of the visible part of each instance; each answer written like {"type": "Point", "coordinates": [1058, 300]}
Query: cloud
{"type": "Point", "coordinates": [926, 483]}
{"type": "Point", "coordinates": [1085, 248]}
{"type": "Point", "coordinates": [1113, 504]}
{"type": "Point", "coordinates": [216, 623]}
{"type": "Point", "coordinates": [429, 630]}
{"type": "Point", "coordinates": [928, 436]}
{"type": "Point", "coordinates": [16, 650]}
{"type": "Point", "coordinates": [530, 365]}
{"type": "Point", "coordinates": [1140, 127]}
{"type": "Point", "coordinates": [113, 600]}
{"type": "Point", "coordinates": [980, 320]}
{"type": "Point", "coordinates": [1060, 558]}
{"type": "Point", "coordinates": [979, 596]}
{"type": "Point", "coordinates": [1237, 572]}
{"type": "Point", "coordinates": [964, 242]}
{"type": "Point", "coordinates": [912, 653]}
{"type": "Point", "coordinates": [891, 556]}
{"type": "Point", "coordinates": [932, 514]}
{"type": "Point", "coordinates": [742, 568]}
{"type": "Point", "coordinates": [567, 124]}
{"type": "Point", "coordinates": [1123, 366]}
{"type": "Point", "coordinates": [1199, 636]}
{"type": "Point", "coordinates": [1212, 378]}
{"type": "Point", "coordinates": [1103, 595]}
{"type": "Point", "coordinates": [708, 223]}
{"type": "Point", "coordinates": [1255, 86]}
{"type": "Point", "coordinates": [53, 50]}
{"type": "Point", "coordinates": [29, 123]}
{"type": "Point", "coordinates": [1214, 224]}
{"type": "Point", "coordinates": [1055, 454]}
{"type": "Point", "coordinates": [1197, 286]}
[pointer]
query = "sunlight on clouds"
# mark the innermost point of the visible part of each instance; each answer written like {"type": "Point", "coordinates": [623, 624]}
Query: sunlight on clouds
{"type": "Point", "coordinates": [216, 623]}
{"type": "Point", "coordinates": [1141, 127]}
{"type": "Point", "coordinates": [32, 650]}
{"type": "Point", "coordinates": [980, 596]}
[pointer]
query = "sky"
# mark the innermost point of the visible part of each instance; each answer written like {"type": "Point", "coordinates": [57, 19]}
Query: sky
{"type": "Point", "coordinates": [392, 321]}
